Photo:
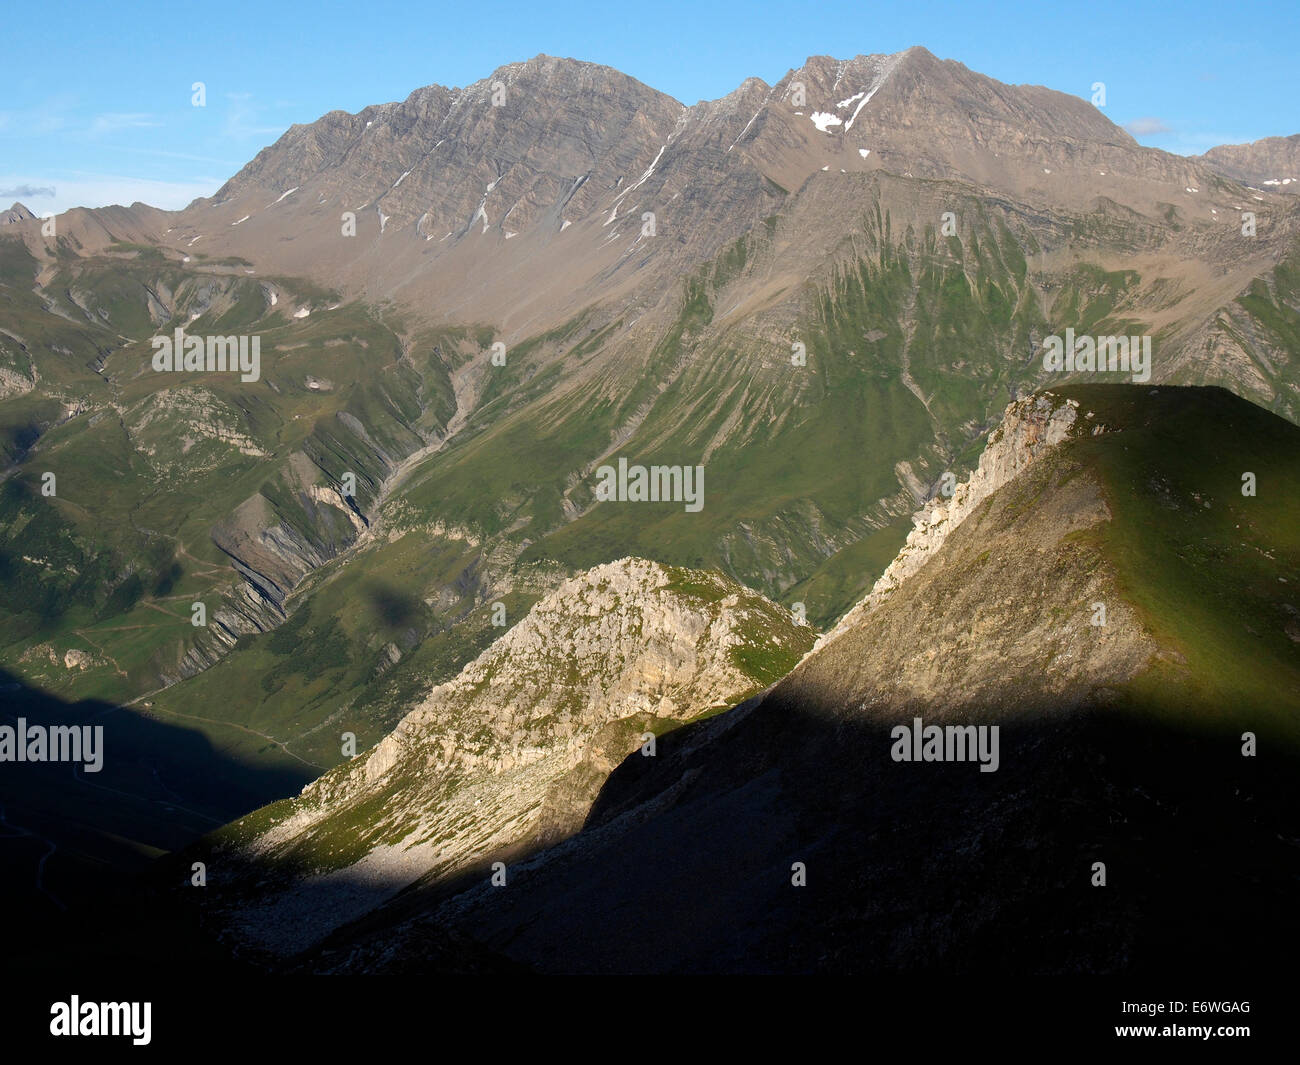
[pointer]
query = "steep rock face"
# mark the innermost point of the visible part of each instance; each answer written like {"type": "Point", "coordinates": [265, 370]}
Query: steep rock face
{"type": "Point", "coordinates": [510, 753]}
{"type": "Point", "coordinates": [528, 139]}
{"type": "Point", "coordinates": [997, 613]}
{"type": "Point", "coordinates": [271, 553]}
{"type": "Point", "coordinates": [915, 114]}
{"type": "Point", "coordinates": [18, 373]}
{"type": "Point", "coordinates": [1029, 427]}
{"type": "Point", "coordinates": [482, 198]}
{"type": "Point", "coordinates": [987, 619]}
{"type": "Point", "coordinates": [17, 213]}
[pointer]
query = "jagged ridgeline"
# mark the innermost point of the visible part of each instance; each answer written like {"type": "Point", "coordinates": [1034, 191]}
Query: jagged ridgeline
{"type": "Point", "coordinates": [823, 292]}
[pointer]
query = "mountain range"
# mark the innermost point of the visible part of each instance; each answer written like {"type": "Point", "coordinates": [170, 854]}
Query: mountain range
{"type": "Point", "coordinates": [832, 295]}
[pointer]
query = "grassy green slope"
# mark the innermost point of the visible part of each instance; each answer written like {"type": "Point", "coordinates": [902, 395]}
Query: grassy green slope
{"type": "Point", "coordinates": [152, 463]}
{"type": "Point", "coordinates": [799, 457]}
{"type": "Point", "coordinates": [1214, 573]}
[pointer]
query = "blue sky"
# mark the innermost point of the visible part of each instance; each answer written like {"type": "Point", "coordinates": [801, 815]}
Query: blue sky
{"type": "Point", "coordinates": [95, 98]}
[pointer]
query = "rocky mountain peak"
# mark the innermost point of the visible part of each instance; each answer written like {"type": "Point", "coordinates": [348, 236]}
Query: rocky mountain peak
{"type": "Point", "coordinates": [513, 748]}
{"type": "Point", "coordinates": [16, 213]}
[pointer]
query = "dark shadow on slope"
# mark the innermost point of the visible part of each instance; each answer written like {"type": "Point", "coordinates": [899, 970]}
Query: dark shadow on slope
{"type": "Point", "coordinates": [395, 608]}
{"type": "Point", "coordinates": [685, 864]}
{"type": "Point", "coordinates": [72, 839]}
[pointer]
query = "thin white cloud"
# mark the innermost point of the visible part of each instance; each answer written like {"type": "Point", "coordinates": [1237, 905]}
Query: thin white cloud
{"type": "Point", "coordinates": [26, 192]}
{"type": "Point", "coordinates": [116, 121]}
{"type": "Point", "coordinates": [242, 118]}
{"type": "Point", "coordinates": [1147, 127]}
{"type": "Point", "coordinates": [50, 116]}
{"type": "Point", "coordinates": [163, 153]}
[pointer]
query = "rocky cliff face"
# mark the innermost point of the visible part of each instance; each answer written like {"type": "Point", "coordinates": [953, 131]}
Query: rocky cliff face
{"type": "Point", "coordinates": [460, 193]}
{"type": "Point", "coordinates": [510, 753]}
{"type": "Point", "coordinates": [1029, 428]}
{"type": "Point", "coordinates": [16, 214]}
{"type": "Point", "coordinates": [996, 611]}
{"type": "Point", "coordinates": [501, 154]}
